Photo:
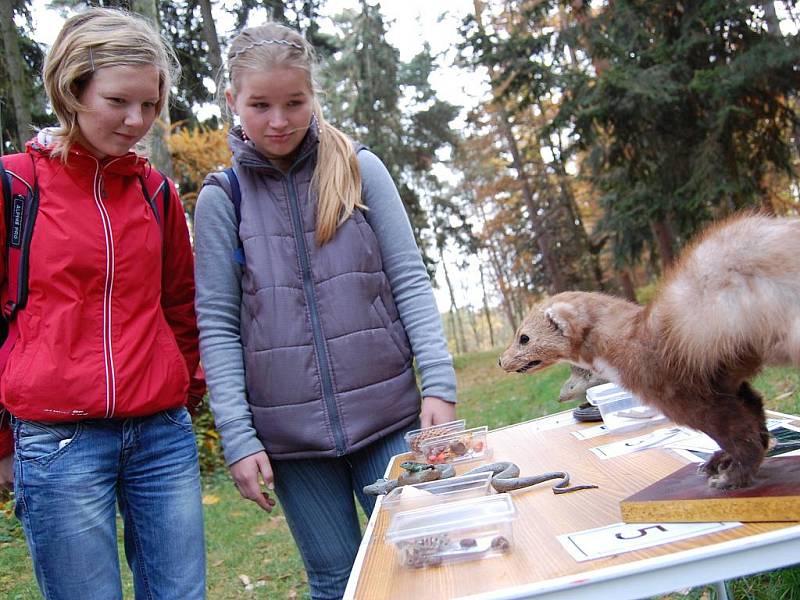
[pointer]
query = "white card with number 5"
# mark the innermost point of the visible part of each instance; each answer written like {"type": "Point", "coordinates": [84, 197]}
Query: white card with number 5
{"type": "Point", "coordinates": [625, 537]}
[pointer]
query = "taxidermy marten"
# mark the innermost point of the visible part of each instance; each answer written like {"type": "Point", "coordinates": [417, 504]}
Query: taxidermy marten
{"type": "Point", "coordinates": [577, 383]}
{"type": "Point", "coordinates": [729, 306]}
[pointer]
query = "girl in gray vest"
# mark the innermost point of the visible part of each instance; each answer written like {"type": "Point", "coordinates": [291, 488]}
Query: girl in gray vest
{"type": "Point", "coordinates": [312, 302]}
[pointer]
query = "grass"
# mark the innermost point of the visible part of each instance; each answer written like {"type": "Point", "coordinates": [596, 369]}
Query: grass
{"type": "Point", "coordinates": [246, 545]}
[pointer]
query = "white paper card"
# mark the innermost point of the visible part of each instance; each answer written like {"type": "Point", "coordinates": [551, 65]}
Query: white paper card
{"type": "Point", "coordinates": [626, 537]}
{"type": "Point", "coordinates": [654, 439]}
{"type": "Point", "coordinates": [591, 432]}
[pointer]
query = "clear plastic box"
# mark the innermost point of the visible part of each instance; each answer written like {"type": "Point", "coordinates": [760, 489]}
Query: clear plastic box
{"type": "Point", "coordinates": [416, 436]}
{"type": "Point", "coordinates": [456, 447]}
{"type": "Point", "coordinates": [619, 408]}
{"type": "Point", "coordinates": [409, 497]}
{"type": "Point", "coordinates": [453, 532]}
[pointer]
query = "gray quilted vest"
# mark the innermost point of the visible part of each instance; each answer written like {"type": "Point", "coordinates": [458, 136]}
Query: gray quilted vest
{"type": "Point", "coordinates": [328, 363]}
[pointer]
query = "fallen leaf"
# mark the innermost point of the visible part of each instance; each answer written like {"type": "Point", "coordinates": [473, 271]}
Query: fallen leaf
{"type": "Point", "coordinates": [210, 499]}
{"type": "Point", "coordinates": [292, 594]}
{"type": "Point", "coordinates": [217, 563]}
{"type": "Point", "coordinates": [245, 580]}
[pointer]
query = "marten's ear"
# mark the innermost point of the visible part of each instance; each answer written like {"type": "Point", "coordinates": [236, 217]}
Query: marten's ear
{"type": "Point", "coordinates": [561, 316]}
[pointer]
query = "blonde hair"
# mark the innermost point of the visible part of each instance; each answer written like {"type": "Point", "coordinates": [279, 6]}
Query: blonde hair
{"type": "Point", "coordinates": [337, 178]}
{"type": "Point", "coordinates": [91, 40]}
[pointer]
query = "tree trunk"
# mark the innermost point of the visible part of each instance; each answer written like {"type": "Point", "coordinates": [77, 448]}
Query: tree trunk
{"type": "Point", "coordinates": [486, 311]}
{"type": "Point", "coordinates": [543, 240]}
{"type": "Point", "coordinates": [18, 82]}
{"type": "Point", "coordinates": [458, 329]}
{"type": "Point", "coordinates": [159, 151]}
{"type": "Point", "coordinates": [665, 241]}
{"type": "Point", "coordinates": [626, 283]}
{"type": "Point", "coordinates": [210, 35]}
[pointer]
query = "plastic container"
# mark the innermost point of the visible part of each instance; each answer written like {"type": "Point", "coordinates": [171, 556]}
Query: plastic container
{"type": "Point", "coordinates": [416, 436]}
{"type": "Point", "coordinates": [456, 447]}
{"type": "Point", "coordinates": [409, 497]}
{"type": "Point", "coordinates": [619, 408]}
{"type": "Point", "coordinates": [453, 532]}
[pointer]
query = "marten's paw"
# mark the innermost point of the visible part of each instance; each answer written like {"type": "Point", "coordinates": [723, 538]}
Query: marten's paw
{"type": "Point", "coordinates": [727, 473]}
{"type": "Point", "coordinates": [731, 478]}
{"type": "Point", "coordinates": [719, 461]}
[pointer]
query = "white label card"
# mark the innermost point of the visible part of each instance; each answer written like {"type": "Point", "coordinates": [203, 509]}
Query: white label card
{"type": "Point", "coordinates": [626, 537]}
{"type": "Point", "coordinates": [654, 439]}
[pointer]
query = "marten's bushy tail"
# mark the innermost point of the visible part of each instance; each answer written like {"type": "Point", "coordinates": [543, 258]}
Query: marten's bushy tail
{"type": "Point", "coordinates": [733, 297]}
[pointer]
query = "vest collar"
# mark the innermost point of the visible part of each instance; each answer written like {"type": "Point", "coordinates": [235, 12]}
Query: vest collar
{"type": "Point", "coordinates": [246, 154]}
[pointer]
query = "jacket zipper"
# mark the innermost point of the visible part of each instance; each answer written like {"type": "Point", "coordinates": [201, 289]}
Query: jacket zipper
{"type": "Point", "coordinates": [108, 289]}
{"type": "Point", "coordinates": [316, 327]}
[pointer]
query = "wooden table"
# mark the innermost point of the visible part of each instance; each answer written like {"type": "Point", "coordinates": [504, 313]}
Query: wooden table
{"type": "Point", "coordinates": [538, 566]}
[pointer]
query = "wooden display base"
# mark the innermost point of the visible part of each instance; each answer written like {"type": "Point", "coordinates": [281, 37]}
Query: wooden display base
{"type": "Point", "coordinates": [685, 497]}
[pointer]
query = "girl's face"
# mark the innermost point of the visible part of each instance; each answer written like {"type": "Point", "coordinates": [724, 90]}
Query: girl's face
{"type": "Point", "coordinates": [274, 106]}
{"type": "Point", "coordinates": [120, 106]}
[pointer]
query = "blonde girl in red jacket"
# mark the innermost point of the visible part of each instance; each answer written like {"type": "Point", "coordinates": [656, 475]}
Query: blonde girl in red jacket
{"type": "Point", "coordinates": [98, 379]}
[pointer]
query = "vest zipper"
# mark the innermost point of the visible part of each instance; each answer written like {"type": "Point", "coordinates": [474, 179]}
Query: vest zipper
{"type": "Point", "coordinates": [316, 327]}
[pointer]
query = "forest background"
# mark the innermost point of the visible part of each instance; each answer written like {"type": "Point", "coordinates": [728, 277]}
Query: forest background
{"type": "Point", "coordinates": [609, 133]}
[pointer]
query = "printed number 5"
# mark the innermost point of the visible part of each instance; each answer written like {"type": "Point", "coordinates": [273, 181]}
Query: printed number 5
{"type": "Point", "coordinates": [642, 532]}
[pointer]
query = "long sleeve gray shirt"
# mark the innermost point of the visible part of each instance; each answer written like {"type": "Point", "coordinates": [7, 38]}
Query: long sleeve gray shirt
{"type": "Point", "coordinates": [219, 300]}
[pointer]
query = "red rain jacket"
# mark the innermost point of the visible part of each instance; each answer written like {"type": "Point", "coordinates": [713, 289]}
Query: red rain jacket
{"type": "Point", "coordinates": [109, 329]}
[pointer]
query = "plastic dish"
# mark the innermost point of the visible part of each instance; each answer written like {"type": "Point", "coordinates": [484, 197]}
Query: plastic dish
{"type": "Point", "coordinates": [456, 447]}
{"type": "Point", "coordinates": [416, 436]}
{"type": "Point", "coordinates": [619, 408]}
{"type": "Point", "coordinates": [452, 532]}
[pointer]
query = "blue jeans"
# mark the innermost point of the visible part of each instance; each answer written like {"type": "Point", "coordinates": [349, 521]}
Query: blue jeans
{"type": "Point", "coordinates": [68, 478]}
{"type": "Point", "coordinates": [316, 495]}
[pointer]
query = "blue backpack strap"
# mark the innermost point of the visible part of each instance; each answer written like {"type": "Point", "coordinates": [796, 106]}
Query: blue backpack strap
{"type": "Point", "coordinates": [230, 185]}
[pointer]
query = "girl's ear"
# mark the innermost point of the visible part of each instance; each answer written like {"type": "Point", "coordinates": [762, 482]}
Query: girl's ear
{"type": "Point", "coordinates": [230, 101]}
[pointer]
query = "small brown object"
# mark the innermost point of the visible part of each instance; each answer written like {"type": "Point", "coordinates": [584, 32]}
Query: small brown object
{"type": "Point", "coordinates": [500, 543]}
{"type": "Point", "coordinates": [458, 448]}
{"type": "Point", "coordinates": [433, 561]}
{"type": "Point", "coordinates": [468, 543]}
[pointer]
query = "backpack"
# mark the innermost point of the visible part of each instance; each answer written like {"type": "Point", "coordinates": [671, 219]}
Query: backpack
{"type": "Point", "coordinates": [21, 203]}
{"type": "Point", "coordinates": [229, 182]}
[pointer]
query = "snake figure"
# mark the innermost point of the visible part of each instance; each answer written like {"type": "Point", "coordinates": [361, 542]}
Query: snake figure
{"type": "Point", "coordinates": [505, 478]}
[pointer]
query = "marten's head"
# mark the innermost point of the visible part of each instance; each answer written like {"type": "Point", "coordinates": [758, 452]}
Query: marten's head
{"type": "Point", "coordinates": [545, 337]}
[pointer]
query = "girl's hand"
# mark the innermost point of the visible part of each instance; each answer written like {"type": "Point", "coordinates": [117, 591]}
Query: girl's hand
{"type": "Point", "coordinates": [436, 411]}
{"type": "Point", "coordinates": [7, 472]}
{"type": "Point", "coordinates": [245, 473]}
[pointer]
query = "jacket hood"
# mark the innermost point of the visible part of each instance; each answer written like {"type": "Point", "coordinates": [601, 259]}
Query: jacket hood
{"type": "Point", "coordinates": [45, 142]}
{"type": "Point", "coordinates": [246, 154]}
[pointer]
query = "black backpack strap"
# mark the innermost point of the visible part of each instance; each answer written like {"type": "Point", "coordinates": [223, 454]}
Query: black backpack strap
{"type": "Point", "coordinates": [20, 206]}
{"type": "Point", "coordinates": [156, 193]}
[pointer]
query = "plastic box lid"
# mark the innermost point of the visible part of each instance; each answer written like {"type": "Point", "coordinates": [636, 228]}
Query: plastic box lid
{"type": "Point", "coordinates": [451, 517]}
{"type": "Point", "coordinates": [440, 490]}
{"type": "Point", "coordinates": [606, 392]}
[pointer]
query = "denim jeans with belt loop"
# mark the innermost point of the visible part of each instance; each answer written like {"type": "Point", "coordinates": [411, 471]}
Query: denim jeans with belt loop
{"type": "Point", "coordinates": [68, 479]}
{"type": "Point", "coordinates": [316, 495]}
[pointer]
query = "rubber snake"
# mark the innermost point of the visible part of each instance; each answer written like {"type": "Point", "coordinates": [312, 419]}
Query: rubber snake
{"type": "Point", "coordinates": [505, 478]}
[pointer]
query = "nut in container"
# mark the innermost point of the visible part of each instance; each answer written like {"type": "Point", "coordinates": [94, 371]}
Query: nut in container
{"type": "Point", "coordinates": [453, 532]}
{"type": "Point", "coordinates": [416, 437]}
{"type": "Point", "coordinates": [456, 447]}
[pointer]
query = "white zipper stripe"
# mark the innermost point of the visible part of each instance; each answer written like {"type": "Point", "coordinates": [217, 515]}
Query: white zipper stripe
{"type": "Point", "coordinates": [103, 217]}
